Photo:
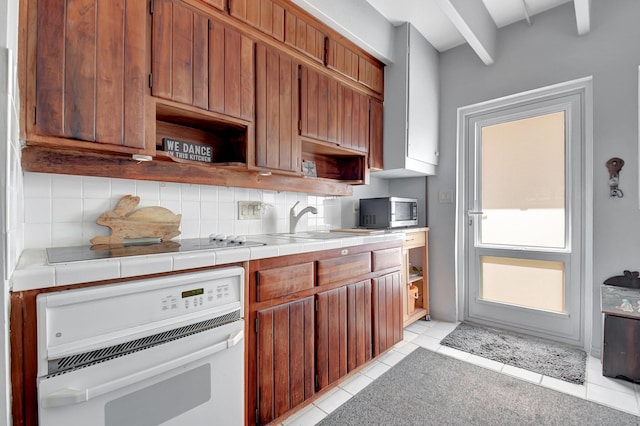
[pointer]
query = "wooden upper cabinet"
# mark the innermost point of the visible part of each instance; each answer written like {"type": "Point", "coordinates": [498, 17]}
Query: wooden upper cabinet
{"type": "Point", "coordinates": [304, 36]}
{"type": "Point", "coordinates": [277, 143]}
{"type": "Point", "coordinates": [371, 74]}
{"type": "Point", "coordinates": [231, 71]}
{"type": "Point", "coordinates": [218, 4]}
{"type": "Point", "coordinates": [319, 98]}
{"type": "Point", "coordinates": [90, 70]}
{"type": "Point", "coordinates": [333, 112]}
{"type": "Point", "coordinates": [342, 59]}
{"type": "Point", "coordinates": [376, 120]}
{"type": "Point", "coordinates": [265, 15]}
{"type": "Point", "coordinates": [354, 112]}
{"type": "Point", "coordinates": [200, 61]}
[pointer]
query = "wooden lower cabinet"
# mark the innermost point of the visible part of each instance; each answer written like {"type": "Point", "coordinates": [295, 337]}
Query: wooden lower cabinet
{"type": "Point", "coordinates": [359, 338]}
{"type": "Point", "coordinates": [387, 312]}
{"type": "Point", "coordinates": [314, 318]}
{"type": "Point", "coordinates": [331, 336]}
{"type": "Point", "coordinates": [415, 250]}
{"type": "Point", "coordinates": [285, 358]}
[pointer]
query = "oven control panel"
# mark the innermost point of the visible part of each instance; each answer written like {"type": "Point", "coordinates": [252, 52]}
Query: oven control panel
{"type": "Point", "coordinates": [97, 316]}
{"type": "Point", "coordinates": [205, 294]}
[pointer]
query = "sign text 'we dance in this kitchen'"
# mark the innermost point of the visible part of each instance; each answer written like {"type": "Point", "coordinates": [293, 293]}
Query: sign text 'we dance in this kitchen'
{"type": "Point", "coordinates": [188, 150]}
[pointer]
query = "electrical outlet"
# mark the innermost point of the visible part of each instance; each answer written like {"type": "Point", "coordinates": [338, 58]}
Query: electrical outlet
{"type": "Point", "coordinates": [248, 210]}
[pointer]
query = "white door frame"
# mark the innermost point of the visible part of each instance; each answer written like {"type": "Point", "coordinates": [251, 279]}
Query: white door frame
{"type": "Point", "coordinates": [584, 89]}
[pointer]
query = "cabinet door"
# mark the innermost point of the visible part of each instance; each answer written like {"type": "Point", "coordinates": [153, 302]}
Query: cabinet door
{"type": "Point", "coordinates": [371, 74]}
{"type": "Point", "coordinates": [90, 70]}
{"type": "Point", "coordinates": [319, 100]}
{"type": "Point", "coordinates": [265, 15]}
{"type": "Point", "coordinates": [285, 358]}
{"type": "Point", "coordinates": [331, 336]}
{"type": "Point", "coordinates": [201, 62]}
{"type": "Point", "coordinates": [231, 71]}
{"type": "Point", "coordinates": [333, 112]}
{"type": "Point", "coordinates": [387, 312]}
{"type": "Point", "coordinates": [342, 59]}
{"type": "Point", "coordinates": [277, 143]}
{"type": "Point", "coordinates": [354, 111]}
{"type": "Point", "coordinates": [304, 36]}
{"type": "Point", "coordinates": [376, 153]}
{"type": "Point", "coordinates": [359, 337]}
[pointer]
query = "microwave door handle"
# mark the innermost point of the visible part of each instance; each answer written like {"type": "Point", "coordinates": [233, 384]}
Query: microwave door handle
{"type": "Point", "coordinates": [71, 396]}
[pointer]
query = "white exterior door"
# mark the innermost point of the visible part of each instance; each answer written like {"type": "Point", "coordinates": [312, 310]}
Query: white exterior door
{"type": "Point", "coordinates": [522, 208]}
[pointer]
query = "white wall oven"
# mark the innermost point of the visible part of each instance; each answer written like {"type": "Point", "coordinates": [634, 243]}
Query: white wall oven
{"type": "Point", "coordinates": [163, 351]}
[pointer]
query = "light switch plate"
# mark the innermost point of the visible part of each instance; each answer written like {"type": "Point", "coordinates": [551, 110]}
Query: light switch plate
{"type": "Point", "coordinates": [445, 197]}
{"type": "Point", "coordinates": [248, 210]}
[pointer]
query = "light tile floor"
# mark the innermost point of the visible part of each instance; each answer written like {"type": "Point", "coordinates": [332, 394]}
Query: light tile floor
{"type": "Point", "coordinates": [618, 394]}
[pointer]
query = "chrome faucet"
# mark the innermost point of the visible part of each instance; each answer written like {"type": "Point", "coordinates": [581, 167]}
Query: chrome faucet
{"type": "Point", "coordinates": [294, 218]}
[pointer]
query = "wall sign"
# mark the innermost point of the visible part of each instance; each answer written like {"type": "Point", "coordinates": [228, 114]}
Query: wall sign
{"type": "Point", "coordinates": [188, 150]}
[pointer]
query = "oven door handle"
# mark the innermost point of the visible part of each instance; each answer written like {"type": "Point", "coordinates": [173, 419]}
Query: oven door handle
{"type": "Point", "coordinates": [69, 396]}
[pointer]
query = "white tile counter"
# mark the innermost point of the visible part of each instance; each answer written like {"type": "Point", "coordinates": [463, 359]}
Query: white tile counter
{"type": "Point", "coordinates": [33, 271]}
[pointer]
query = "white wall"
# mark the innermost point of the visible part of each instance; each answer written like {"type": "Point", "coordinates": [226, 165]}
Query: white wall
{"type": "Point", "coordinates": [547, 53]}
{"type": "Point", "coordinates": [10, 184]}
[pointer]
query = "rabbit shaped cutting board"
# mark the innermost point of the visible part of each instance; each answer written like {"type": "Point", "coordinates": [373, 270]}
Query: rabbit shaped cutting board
{"type": "Point", "coordinates": [156, 222]}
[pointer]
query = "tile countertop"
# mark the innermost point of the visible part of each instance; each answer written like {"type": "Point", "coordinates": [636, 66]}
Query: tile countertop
{"type": "Point", "coordinates": [33, 271]}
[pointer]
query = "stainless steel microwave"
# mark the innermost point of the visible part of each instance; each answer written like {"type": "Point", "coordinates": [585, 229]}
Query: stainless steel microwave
{"type": "Point", "coordinates": [388, 212]}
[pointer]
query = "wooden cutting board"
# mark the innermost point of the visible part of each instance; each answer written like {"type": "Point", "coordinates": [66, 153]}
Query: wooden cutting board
{"type": "Point", "coordinates": [146, 222]}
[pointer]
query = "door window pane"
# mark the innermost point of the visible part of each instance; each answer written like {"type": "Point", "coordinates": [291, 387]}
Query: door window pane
{"type": "Point", "coordinates": [522, 193]}
{"type": "Point", "coordinates": [537, 284]}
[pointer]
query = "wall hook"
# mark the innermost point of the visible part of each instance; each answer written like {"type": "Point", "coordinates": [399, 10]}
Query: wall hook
{"type": "Point", "coordinates": [615, 165]}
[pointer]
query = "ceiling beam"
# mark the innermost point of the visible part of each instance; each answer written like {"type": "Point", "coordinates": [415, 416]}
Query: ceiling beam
{"type": "Point", "coordinates": [583, 15]}
{"type": "Point", "coordinates": [475, 24]}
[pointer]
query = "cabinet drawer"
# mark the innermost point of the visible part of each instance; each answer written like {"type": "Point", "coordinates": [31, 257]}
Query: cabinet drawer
{"type": "Point", "coordinates": [388, 258]}
{"type": "Point", "coordinates": [278, 282]}
{"type": "Point", "coordinates": [343, 268]}
{"type": "Point", "coordinates": [414, 239]}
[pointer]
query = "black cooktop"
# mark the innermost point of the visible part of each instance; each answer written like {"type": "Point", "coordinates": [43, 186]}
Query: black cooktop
{"type": "Point", "coordinates": [104, 251]}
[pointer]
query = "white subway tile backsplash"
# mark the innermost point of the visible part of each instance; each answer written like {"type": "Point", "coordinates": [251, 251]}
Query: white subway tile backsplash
{"type": "Point", "coordinates": [66, 210]}
{"type": "Point", "coordinates": [208, 211]}
{"type": "Point", "coordinates": [62, 210]}
{"type": "Point", "coordinates": [122, 187]}
{"type": "Point", "coordinates": [225, 194]}
{"type": "Point", "coordinates": [37, 185]}
{"type": "Point", "coordinates": [149, 192]}
{"type": "Point", "coordinates": [66, 186]}
{"type": "Point", "coordinates": [38, 235]}
{"type": "Point", "coordinates": [92, 208]}
{"type": "Point", "coordinates": [169, 191]}
{"type": "Point", "coordinates": [96, 188]}
{"type": "Point", "coordinates": [209, 194]}
{"type": "Point", "coordinates": [227, 211]}
{"type": "Point", "coordinates": [190, 192]}
{"type": "Point", "coordinates": [37, 210]}
{"type": "Point", "coordinates": [66, 234]}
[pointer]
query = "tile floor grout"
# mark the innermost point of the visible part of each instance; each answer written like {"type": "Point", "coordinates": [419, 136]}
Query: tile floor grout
{"type": "Point", "coordinates": [613, 393]}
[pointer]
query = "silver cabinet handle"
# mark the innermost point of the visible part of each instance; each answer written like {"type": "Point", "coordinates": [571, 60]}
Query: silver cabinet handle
{"type": "Point", "coordinates": [474, 212]}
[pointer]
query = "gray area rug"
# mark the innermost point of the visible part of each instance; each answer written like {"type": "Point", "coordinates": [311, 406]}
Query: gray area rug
{"type": "Point", "coordinates": [542, 356]}
{"type": "Point", "coordinates": [427, 388]}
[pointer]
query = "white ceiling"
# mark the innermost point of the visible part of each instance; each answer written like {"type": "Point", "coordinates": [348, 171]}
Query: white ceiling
{"type": "Point", "coordinates": [450, 23]}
